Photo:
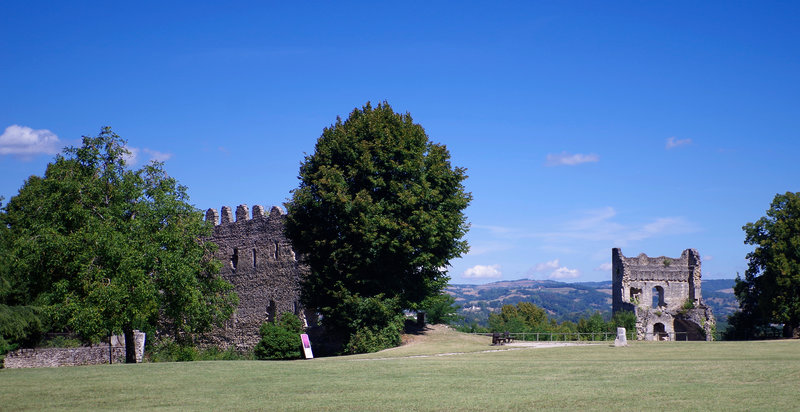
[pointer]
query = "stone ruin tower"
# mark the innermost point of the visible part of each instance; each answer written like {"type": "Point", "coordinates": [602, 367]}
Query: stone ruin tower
{"type": "Point", "coordinates": [664, 293]}
{"type": "Point", "coordinates": [258, 260]}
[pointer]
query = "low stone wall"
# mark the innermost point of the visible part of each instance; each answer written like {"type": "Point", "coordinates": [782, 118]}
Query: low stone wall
{"type": "Point", "coordinates": [85, 355]}
{"type": "Point", "coordinates": [53, 357]}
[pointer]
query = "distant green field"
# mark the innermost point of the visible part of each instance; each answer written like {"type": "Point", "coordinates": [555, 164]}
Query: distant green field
{"type": "Point", "coordinates": [657, 375]}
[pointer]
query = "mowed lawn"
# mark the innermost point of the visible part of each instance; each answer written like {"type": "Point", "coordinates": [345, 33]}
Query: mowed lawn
{"type": "Point", "coordinates": [653, 375]}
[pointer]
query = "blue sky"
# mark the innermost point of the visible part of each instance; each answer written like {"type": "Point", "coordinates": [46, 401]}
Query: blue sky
{"type": "Point", "coordinates": [650, 126]}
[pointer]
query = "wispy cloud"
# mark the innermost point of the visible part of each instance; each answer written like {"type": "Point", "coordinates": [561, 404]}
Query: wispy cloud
{"type": "Point", "coordinates": [483, 271]}
{"type": "Point", "coordinates": [489, 247]}
{"type": "Point", "coordinates": [25, 141]}
{"type": "Point", "coordinates": [564, 273]}
{"type": "Point", "coordinates": [567, 159]}
{"type": "Point", "coordinates": [542, 267]}
{"type": "Point", "coordinates": [157, 156]}
{"type": "Point", "coordinates": [600, 225]}
{"type": "Point", "coordinates": [673, 142]}
{"type": "Point", "coordinates": [134, 153]}
{"type": "Point", "coordinates": [604, 267]}
{"type": "Point", "coordinates": [554, 270]}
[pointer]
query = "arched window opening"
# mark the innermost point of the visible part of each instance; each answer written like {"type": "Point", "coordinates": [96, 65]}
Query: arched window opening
{"type": "Point", "coordinates": [636, 295]}
{"type": "Point", "coordinates": [255, 262]}
{"type": "Point", "coordinates": [235, 258]}
{"type": "Point", "coordinates": [658, 297]}
{"type": "Point", "coordinates": [276, 250]}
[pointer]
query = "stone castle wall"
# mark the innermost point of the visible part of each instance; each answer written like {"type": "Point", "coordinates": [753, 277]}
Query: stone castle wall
{"type": "Point", "coordinates": [665, 293]}
{"type": "Point", "coordinates": [259, 261]}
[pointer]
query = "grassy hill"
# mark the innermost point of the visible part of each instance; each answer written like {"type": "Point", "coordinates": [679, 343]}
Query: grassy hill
{"type": "Point", "coordinates": [440, 371]}
{"type": "Point", "coordinates": [566, 301]}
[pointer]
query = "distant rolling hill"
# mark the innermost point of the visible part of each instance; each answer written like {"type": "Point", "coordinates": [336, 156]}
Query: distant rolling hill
{"type": "Point", "coordinates": [567, 301]}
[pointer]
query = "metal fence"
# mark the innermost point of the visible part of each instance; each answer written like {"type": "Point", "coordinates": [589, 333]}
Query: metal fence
{"type": "Point", "coordinates": [591, 337]}
{"type": "Point", "coordinates": [564, 337]}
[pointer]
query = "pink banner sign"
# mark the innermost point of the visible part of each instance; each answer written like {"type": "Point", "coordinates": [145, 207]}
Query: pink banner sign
{"type": "Point", "coordinates": [306, 346]}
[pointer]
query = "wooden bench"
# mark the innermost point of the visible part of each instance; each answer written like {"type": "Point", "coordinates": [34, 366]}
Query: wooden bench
{"type": "Point", "coordinates": [498, 339]}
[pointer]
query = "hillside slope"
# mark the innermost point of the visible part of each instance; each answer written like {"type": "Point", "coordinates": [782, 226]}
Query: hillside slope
{"type": "Point", "coordinates": [566, 301]}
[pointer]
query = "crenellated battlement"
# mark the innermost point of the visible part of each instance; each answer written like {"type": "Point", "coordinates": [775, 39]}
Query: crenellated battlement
{"type": "Point", "coordinates": [242, 214]}
{"type": "Point", "coordinates": [258, 260]}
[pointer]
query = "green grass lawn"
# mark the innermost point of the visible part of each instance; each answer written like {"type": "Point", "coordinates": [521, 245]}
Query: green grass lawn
{"type": "Point", "coordinates": [657, 375]}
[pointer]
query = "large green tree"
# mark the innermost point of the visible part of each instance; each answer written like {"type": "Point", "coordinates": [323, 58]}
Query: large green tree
{"type": "Point", "coordinates": [106, 249]}
{"type": "Point", "coordinates": [378, 214]}
{"type": "Point", "coordinates": [770, 290]}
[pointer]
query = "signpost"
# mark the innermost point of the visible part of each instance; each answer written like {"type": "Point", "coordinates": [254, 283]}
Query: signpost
{"type": "Point", "coordinates": [306, 346]}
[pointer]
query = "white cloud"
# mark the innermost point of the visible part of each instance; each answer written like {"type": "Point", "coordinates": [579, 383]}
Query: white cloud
{"type": "Point", "coordinates": [605, 267]}
{"type": "Point", "coordinates": [566, 159]}
{"type": "Point", "coordinates": [132, 156]}
{"type": "Point", "coordinates": [672, 142]}
{"type": "Point", "coordinates": [134, 153]}
{"type": "Point", "coordinates": [599, 225]}
{"type": "Point", "coordinates": [483, 271]}
{"type": "Point", "coordinates": [23, 140]}
{"type": "Point", "coordinates": [158, 156]}
{"type": "Point", "coordinates": [542, 267]}
{"type": "Point", "coordinates": [564, 273]}
{"type": "Point", "coordinates": [556, 270]}
{"type": "Point", "coordinates": [707, 258]}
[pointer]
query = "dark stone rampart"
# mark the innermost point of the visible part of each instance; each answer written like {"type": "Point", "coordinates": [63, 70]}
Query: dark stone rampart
{"type": "Point", "coordinates": [259, 261]}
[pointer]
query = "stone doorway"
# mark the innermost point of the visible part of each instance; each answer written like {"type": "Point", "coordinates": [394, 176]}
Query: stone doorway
{"type": "Point", "coordinates": [660, 332]}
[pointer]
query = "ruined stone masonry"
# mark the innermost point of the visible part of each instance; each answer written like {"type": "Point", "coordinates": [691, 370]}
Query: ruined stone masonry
{"type": "Point", "coordinates": [259, 262]}
{"type": "Point", "coordinates": [664, 293]}
{"type": "Point", "coordinates": [85, 355]}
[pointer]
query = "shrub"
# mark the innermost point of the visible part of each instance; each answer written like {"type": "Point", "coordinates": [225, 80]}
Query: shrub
{"type": "Point", "coordinates": [170, 351]}
{"type": "Point", "coordinates": [61, 342]}
{"type": "Point", "coordinates": [280, 341]}
{"type": "Point", "coordinates": [20, 326]}
{"type": "Point", "coordinates": [440, 309]}
{"type": "Point", "coordinates": [367, 339]}
{"type": "Point", "coordinates": [687, 306]}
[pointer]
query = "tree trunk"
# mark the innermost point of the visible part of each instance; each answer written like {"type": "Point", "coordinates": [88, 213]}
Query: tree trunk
{"type": "Point", "coordinates": [130, 345]}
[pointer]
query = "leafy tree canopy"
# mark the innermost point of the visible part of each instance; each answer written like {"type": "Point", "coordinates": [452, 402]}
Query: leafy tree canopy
{"type": "Point", "coordinates": [441, 308]}
{"type": "Point", "coordinates": [104, 249]}
{"type": "Point", "coordinates": [770, 290]}
{"type": "Point", "coordinates": [378, 213]}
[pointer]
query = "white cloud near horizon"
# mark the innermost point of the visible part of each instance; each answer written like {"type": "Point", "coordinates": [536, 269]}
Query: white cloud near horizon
{"type": "Point", "coordinates": [26, 141]}
{"type": "Point", "coordinates": [564, 273]}
{"type": "Point", "coordinates": [673, 142]}
{"type": "Point", "coordinates": [541, 267]}
{"type": "Point", "coordinates": [604, 267]}
{"type": "Point", "coordinates": [567, 159]}
{"type": "Point", "coordinates": [483, 271]}
{"type": "Point", "coordinates": [556, 271]}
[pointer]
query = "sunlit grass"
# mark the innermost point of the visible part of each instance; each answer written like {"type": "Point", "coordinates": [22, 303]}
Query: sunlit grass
{"type": "Point", "coordinates": [658, 375]}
